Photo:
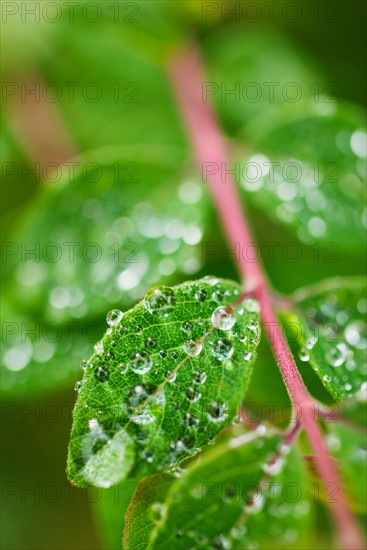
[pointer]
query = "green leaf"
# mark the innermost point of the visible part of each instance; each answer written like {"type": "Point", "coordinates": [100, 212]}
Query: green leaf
{"type": "Point", "coordinates": [108, 229]}
{"type": "Point", "coordinates": [164, 380]}
{"type": "Point", "coordinates": [243, 493]}
{"type": "Point", "coordinates": [332, 333]}
{"type": "Point", "coordinates": [309, 173]}
{"type": "Point", "coordinates": [347, 442]}
{"type": "Point", "coordinates": [110, 510]}
{"type": "Point", "coordinates": [39, 356]}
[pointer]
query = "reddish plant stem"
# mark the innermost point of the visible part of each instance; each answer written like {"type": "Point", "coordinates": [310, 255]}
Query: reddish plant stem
{"type": "Point", "coordinates": [209, 146]}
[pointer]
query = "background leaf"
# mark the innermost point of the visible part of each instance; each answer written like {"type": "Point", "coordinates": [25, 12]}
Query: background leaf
{"type": "Point", "coordinates": [307, 171]}
{"type": "Point", "coordinates": [347, 442]}
{"type": "Point", "coordinates": [331, 333]}
{"type": "Point", "coordinates": [164, 380]}
{"type": "Point", "coordinates": [240, 494]}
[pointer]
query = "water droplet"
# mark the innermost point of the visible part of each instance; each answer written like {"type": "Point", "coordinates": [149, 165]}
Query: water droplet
{"type": "Point", "coordinates": [186, 326]}
{"type": "Point", "coordinates": [150, 343]}
{"type": "Point", "coordinates": [192, 394]}
{"type": "Point", "coordinates": [171, 376]}
{"type": "Point", "coordinates": [83, 364]}
{"type": "Point", "coordinates": [218, 295]}
{"type": "Point", "coordinates": [138, 329]}
{"type": "Point", "coordinates": [78, 386]}
{"type": "Point", "coordinates": [247, 356]}
{"type": "Point", "coordinates": [101, 373]}
{"type": "Point", "coordinates": [190, 420]}
{"type": "Point", "coordinates": [98, 347]}
{"type": "Point", "coordinates": [221, 543]}
{"type": "Point", "coordinates": [121, 330]}
{"type": "Point", "coordinates": [303, 355]}
{"type": "Point", "coordinates": [199, 377]}
{"type": "Point", "coordinates": [356, 334]}
{"type": "Point", "coordinates": [148, 455]}
{"type": "Point", "coordinates": [255, 505]}
{"type": "Point", "coordinates": [222, 349]}
{"type": "Point", "coordinates": [122, 368]}
{"type": "Point", "coordinates": [174, 355]}
{"type": "Point", "coordinates": [251, 305]}
{"type": "Point", "coordinates": [216, 412]}
{"type": "Point", "coordinates": [109, 357]}
{"type": "Point", "coordinates": [144, 416]}
{"type": "Point", "coordinates": [310, 342]}
{"type": "Point", "coordinates": [223, 317]}
{"type": "Point", "coordinates": [326, 378]}
{"type": "Point", "coordinates": [113, 317]}
{"type": "Point", "coordinates": [254, 327]}
{"type": "Point", "coordinates": [201, 295]}
{"type": "Point", "coordinates": [192, 347]}
{"type": "Point", "coordinates": [361, 395]}
{"type": "Point", "coordinates": [163, 353]}
{"type": "Point", "coordinates": [160, 301]}
{"type": "Point", "coordinates": [333, 443]}
{"type": "Point", "coordinates": [336, 356]}
{"type": "Point", "coordinates": [140, 362]}
{"type": "Point", "coordinates": [273, 467]}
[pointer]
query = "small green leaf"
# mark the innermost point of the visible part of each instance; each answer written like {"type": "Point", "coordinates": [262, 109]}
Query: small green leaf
{"type": "Point", "coordinates": [347, 442]}
{"type": "Point", "coordinates": [244, 493]}
{"type": "Point", "coordinates": [332, 333]}
{"type": "Point", "coordinates": [164, 380]}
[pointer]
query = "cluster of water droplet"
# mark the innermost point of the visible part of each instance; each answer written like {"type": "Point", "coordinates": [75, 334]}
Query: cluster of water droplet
{"type": "Point", "coordinates": [319, 190]}
{"type": "Point", "coordinates": [336, 342]}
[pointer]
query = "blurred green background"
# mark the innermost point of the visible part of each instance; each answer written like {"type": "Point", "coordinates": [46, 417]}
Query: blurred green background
{"type": "Point", "coordinates": [120, 49]}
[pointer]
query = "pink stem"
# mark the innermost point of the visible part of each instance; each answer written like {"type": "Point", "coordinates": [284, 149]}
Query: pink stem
{"type": "Point", "coordinates": [209, 146]}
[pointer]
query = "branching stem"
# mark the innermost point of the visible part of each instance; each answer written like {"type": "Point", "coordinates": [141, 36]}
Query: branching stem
{"type": "Point", "coordinates": [208, 144]}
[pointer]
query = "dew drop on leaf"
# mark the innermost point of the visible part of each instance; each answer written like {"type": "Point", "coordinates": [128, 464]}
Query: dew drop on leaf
{"type": "Point", "coordinates": [113, 317]}
{"type": "Point", "coordinates": [160, 301]}
{"type": "Point", "coordinates": [251, 305]}
{"type": "Point", "coordinates": [218, 295]}
{"type": "Point", "coordinates": [192, 347]}
{"type": "Point", "coordinates": [141, 362]}
{"type": "Point", "coordinates": [223, 317]}
{"type": "Point", "coordinates": [201, 295]}
{"type": "Point", "coordinates": [255, 506]}
{"type": "Point", "coordinates": [157, 512]}
{"type": "Point", "coordinates": [222, 349]}
{"type": "Point", "coordinates": [78, 386]}
{"type": "Point", "coordinates": [336, 356]}
{"type": "Point", "coordinates": [101, 374]}
{"type": "Point", "coordinates": [186, 326]}
{"type": "Point", "coordinates": [304, 355]}
{"type": "Point", "coordinates": [171, 376]}
{"type": "Point", "coordinates": [199, 377]}
{"type": "Point", "coordinates": [356, 334]}
{"type": "Point", "coordinates": [192, 394]}
{"type": "Point", "coordinates": [150, 343]}
{"type": "Point", "coordinates": [216, 412]}
{"type": "Point", "coordinates": [98, 347]}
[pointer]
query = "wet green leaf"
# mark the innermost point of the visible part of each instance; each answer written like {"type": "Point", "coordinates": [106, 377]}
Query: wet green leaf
{"type": "Point", "coordinates": [167, 377]}
{"type": "Point", "coordinates": [244, 493]}
{"type": "Point", "coordinates": [112, 225]}
{"type": "Point", "coordinates": [309, 174]}
{"type": "Point", "coordinates": [331, 331]}
{"type": "Point", "coordinates": [347, 442]}
{"type": "Point", "coordinates": [39, 356]}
